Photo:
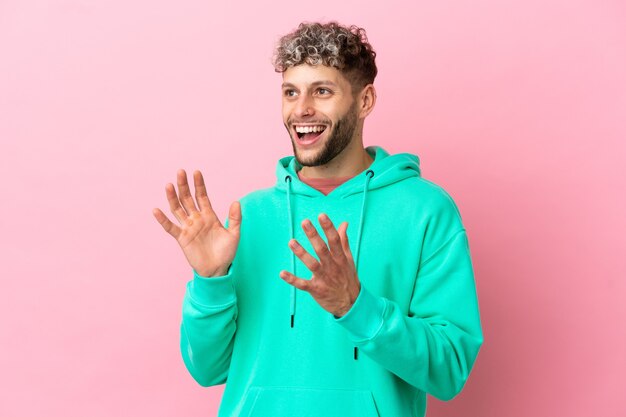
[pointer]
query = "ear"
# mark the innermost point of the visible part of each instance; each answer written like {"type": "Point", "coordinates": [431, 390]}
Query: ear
{"type": "Point", "coordinates": [367, 100]}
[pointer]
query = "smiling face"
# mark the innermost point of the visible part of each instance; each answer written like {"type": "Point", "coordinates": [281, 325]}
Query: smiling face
{"type": "Point", "coordinates": [319, 112]}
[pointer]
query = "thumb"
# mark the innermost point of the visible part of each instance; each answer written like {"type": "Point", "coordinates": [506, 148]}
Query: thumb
{"type": "Point", "coordinates": [234, 217]}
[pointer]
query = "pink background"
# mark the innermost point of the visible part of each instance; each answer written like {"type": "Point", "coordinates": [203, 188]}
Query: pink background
{"type": "Point", "coordinates": [517, 108]}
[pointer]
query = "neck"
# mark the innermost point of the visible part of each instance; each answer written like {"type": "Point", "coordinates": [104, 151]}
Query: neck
{"type": "Point", "coordinates": [350, 162]}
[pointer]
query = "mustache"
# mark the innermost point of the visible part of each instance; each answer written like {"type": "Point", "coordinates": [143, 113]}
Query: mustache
{"type": "Point", "coordinates": [293, 120]}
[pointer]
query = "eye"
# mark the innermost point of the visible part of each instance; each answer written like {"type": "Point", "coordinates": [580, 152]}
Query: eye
{"type": "Point", "coordinates": [289, 93]}
{"type": "Point", "coordinates": [324, 91]}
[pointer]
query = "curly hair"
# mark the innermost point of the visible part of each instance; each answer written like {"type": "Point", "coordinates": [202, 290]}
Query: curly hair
{"type": "Point", "coordinates": [330, 44]}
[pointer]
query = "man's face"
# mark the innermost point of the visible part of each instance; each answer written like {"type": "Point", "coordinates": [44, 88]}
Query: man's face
{"type": "Point", "coordinates": [319, 112]}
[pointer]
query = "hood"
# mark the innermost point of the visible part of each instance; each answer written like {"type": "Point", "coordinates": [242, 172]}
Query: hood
{"type": "Point", "coordinates": [387, 169]}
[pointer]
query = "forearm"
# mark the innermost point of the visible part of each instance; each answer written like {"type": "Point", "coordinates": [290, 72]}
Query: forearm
{"type": "Point", "coordinates": [433, 344]}
{"type": "Point", "coordinates": [208, 328]}
{"type": "Point", "coordinates": [431, 354]}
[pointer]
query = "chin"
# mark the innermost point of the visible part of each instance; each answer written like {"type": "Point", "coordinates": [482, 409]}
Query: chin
{"type": "Point", "coordinates": [308, 157]}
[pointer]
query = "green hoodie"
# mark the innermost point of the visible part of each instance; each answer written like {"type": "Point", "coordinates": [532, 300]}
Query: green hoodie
{"type": "Point", "coordinates": [413, 330]}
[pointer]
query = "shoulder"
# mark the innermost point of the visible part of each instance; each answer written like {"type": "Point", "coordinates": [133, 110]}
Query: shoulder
{"type": "Point", "coordinates": [260, 196]}
{"type": "Point", "coordinates": [436, 213]}
{"type": "Point", "coordinates": [431, 198]}
{"type": "Point", "coordinates": [261, 201]}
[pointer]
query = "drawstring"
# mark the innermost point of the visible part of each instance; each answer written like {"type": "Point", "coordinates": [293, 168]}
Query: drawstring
{"type": "Point", "coordinates": [368, 176]}
{"type": "Point", "coordinates": [292, 305]}
{"type": "Point", "coordinates": [292, 308]}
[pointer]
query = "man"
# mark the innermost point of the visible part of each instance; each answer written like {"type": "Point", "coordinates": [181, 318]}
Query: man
{"type": "Point", "coordinates": [319, 320]}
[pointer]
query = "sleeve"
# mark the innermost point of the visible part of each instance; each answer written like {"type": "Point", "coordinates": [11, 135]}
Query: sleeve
{"type": "Point", "coordinates": [434, 346]}
{"type": "Point", "coordinates": [208, 327]}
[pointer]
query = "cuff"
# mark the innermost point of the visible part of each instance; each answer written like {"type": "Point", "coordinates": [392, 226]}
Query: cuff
{"type": "Point", "coordinates": [212, 291]}
{"type": "Point", "coordinates": [365, 318]}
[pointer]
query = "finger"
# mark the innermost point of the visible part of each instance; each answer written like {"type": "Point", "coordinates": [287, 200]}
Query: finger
{"type": "Point", "coordinates": [334, 242]}
{"type": "Point", "coordinates": [299, 283]}
{"type": "Point", "coordinates": [168, 226]}
{"type": "Point", "coordinates": [185, 194]}
{"type": "Point", "coordinates": [175, 207]}
{"type": "Point", "coordinates": [316, 241]}
{"type": "Point", "coordinates": [201, 196]}
{"type": "Point", "coordinates": [345, 244]}
{"type": "Point", "coordinates": [234, 217]}
{"type": "Point", "coordinates": [309, 261]}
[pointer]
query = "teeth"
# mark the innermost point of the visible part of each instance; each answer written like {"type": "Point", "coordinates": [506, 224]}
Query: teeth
{"type": "Point", "coordinates": [309, 129]}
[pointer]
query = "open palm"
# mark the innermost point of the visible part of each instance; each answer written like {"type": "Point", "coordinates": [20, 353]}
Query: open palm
{"type": "Point", "coordinates": [208, 246]}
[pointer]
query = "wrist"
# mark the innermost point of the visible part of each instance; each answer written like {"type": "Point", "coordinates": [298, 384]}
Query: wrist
{"type": "Point", "coordinates": [219, 272]}
{"type": "Point", "coordinates": [366, 317]}
{"type": "Point", "coordinates": [352, 299]}
{"type": "Point", "coordinates": [212, 291]}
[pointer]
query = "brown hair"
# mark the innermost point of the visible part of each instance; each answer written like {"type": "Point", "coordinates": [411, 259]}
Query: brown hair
{"type": "Point", "coordinates": [331, 44]}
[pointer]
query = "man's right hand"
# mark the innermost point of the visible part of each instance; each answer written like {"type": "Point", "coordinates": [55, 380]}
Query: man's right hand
{"type": "Point", "coordinates": [208, 246]}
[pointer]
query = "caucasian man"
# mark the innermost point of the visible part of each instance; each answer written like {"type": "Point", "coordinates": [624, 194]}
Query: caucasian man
{"type": "Point", "coordinates": [347, 288]}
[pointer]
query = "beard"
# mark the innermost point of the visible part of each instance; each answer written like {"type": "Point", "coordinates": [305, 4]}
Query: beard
{"type": "Point", "coordinates": [338, 140]}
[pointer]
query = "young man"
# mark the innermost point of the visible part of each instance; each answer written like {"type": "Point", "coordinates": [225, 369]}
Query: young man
{"type": "Point", "coordinates": [303, 318]}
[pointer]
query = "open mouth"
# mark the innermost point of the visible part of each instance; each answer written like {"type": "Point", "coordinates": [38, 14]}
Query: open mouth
{"type": "Point", "coordinates": [308, 134]}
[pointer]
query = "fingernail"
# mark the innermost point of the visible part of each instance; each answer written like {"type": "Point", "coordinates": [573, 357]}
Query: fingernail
{"type": "Point", "coordinates": [324, 218]}
{"type": "Point", "coordinates": [293, 244]}
{"type": "Point", "coordinates": [307, 225]}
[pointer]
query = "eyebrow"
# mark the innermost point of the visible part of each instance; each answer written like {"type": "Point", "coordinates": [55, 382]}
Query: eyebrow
{"type": "Point", "coordinates": [313, 84]}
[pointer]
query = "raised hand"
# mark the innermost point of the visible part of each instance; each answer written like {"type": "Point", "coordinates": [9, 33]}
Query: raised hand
{"type": "Point", "coordinates": [208, 246]}
{"type": "Point", "coordinates": [334, 284]}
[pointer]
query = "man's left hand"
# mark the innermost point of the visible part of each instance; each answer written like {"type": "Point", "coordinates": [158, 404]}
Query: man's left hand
{"type": "Point", "coordinates": [334, 284]}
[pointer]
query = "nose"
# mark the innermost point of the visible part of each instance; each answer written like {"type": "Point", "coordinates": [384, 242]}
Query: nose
{"type": "Point", "coordinates": [304, 106]}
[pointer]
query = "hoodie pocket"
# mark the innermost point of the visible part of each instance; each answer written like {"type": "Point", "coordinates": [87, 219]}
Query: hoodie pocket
{"type": "Point", "coordinates": [307, 402]}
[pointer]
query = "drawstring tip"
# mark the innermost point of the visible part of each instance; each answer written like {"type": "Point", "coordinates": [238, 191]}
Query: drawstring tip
{"type": "Point", "coordinates": [356, 353]}
{"type": "Point", "coordinates": [292, 320]}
